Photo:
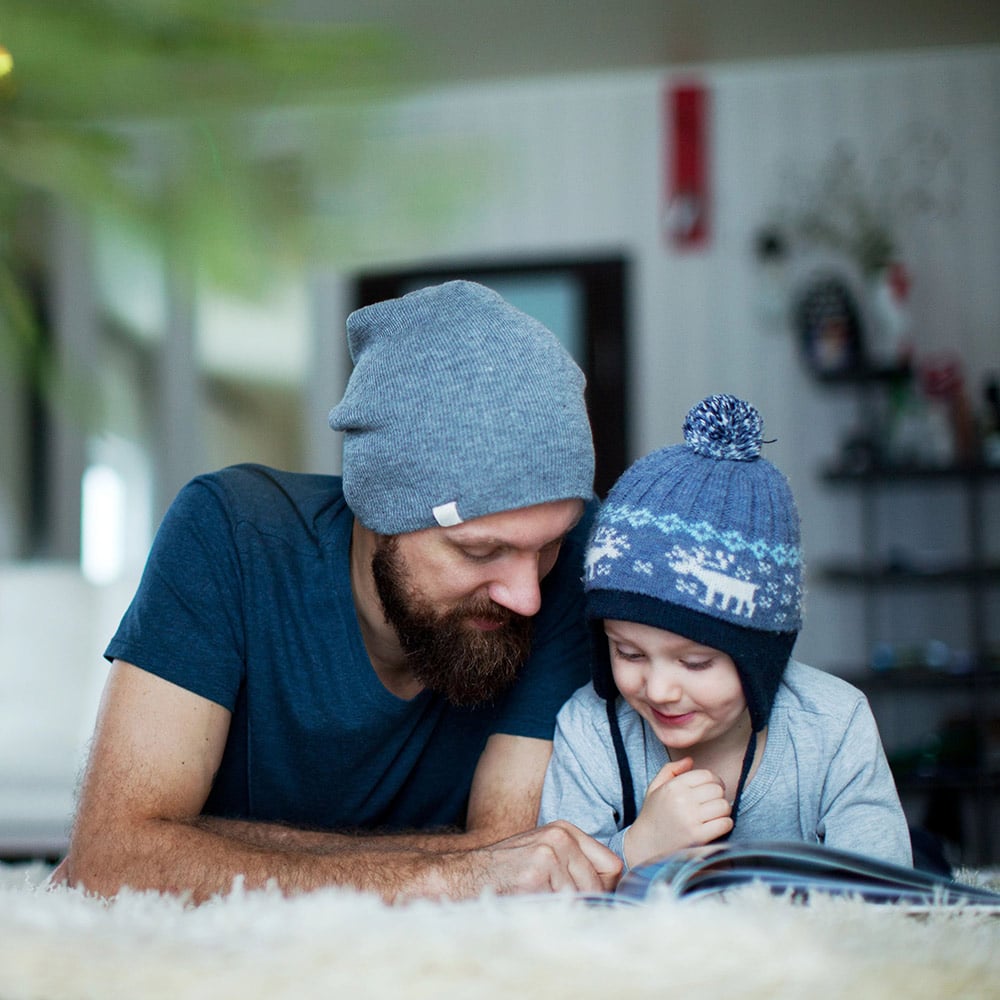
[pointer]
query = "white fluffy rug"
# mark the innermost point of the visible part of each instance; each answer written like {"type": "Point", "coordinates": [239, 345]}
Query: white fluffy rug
{"type": "Point", "coordinates": [61, 944]}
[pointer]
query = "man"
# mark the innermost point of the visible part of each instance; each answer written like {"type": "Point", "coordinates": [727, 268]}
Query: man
{"type": "Point", "coordinates": [357, 685]}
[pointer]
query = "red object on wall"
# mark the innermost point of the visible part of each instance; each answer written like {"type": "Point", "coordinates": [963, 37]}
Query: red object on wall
{"type": "Point", "coordinates": [686, 213]}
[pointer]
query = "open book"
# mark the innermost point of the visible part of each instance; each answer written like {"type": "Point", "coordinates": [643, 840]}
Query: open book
{"type": "Point", "coordinates": [798, 869]}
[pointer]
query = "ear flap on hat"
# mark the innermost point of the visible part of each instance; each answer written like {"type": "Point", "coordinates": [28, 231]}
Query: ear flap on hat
{"type": "Point", "coordinates": [600, 661]}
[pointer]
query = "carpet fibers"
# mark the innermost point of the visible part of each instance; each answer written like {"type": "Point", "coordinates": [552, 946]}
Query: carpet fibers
{"type": "Point", "coordinates": [62, 944]}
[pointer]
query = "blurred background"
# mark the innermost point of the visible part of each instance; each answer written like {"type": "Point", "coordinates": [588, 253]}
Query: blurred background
{"type": "Point", "coordinates": [796, 202]}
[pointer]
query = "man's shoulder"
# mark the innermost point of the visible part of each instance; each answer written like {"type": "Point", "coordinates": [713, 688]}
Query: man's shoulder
{"type": "Point", "coordinates": [260, 493]}
{"type": "Point", "coordinates": [565, 582]}
{"type": "Point", "coordinates": [250, 479]}
{"type": "Point", "coordinates": [575, 543]}
{"type": "Point", "coordinates": [581, 532]}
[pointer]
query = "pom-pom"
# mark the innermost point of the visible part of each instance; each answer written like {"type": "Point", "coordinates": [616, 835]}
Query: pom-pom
{"type": "Point", "coordinates": [724, 427]}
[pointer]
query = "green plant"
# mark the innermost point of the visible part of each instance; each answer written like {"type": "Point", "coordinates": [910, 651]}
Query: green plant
{"type": "Point", "coordinates": [170, 118]}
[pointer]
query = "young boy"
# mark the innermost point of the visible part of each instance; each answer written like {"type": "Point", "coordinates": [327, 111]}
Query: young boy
{"type": "Point", "coordinates": [695, 711]}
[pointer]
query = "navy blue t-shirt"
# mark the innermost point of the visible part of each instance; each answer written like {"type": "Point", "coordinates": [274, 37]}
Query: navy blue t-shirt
{"type": "Point", "coordinates": [246, 600]}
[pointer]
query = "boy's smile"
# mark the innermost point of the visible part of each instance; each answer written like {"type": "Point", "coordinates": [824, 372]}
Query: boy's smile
{"type": "Point", "coordinates": [672, 720]}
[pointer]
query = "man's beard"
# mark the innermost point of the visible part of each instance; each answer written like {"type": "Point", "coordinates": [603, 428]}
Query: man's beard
{"type": "Point", "coordinates": [446, 652]}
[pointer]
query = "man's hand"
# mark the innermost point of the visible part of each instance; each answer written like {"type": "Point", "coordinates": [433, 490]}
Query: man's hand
{"type": "Point", "coordinates": [682, 808]}
{"type": "Point", "coordinates": [555, 857]}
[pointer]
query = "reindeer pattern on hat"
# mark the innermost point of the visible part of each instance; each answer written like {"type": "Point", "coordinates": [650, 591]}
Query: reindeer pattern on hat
{"type": "Point", "coordinates": [719, 572]}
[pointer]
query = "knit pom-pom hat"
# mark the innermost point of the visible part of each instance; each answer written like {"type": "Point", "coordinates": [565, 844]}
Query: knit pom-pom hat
{"type": "Point", "coordinates": [702, 539]}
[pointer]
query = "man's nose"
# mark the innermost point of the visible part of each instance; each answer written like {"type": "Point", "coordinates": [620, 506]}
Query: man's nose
{"type": "Point", "coordinates": [517, 585]}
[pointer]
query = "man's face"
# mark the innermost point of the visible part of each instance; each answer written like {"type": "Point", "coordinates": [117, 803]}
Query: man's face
{"type": "Point", "coordinates": [461, 599]}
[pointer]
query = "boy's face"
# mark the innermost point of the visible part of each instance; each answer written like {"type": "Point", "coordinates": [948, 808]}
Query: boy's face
{"type": "Point", "coordinates": [689, 694]}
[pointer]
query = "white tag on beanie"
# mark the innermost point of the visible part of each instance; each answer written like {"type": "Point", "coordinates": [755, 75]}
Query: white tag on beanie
{"type": "Point", "coordinates": [446, 514]}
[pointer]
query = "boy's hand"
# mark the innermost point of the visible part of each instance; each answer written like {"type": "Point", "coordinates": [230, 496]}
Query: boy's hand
{"type": "Point", "coordinates": [682, 808]}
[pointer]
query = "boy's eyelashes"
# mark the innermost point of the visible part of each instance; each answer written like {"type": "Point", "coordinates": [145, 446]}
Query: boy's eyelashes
{"type": "Point", "coordinates": [631, 655]}
{"type": "Point", "coordinates": [627, 653]}
{"type": "Point", "coordinates": [697, 664]}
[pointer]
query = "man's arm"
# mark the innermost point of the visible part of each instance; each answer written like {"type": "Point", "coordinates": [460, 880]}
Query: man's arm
{"type": "Point", "coordinates": [156, 750]}
{"type": "Point", "coordinates": [504, 800]}
{"type": "Point", "coordinates": [507, 786]}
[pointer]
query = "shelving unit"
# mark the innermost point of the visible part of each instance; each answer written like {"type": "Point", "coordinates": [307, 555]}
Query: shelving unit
{"type": "Point", "coordinates": [952, 780]}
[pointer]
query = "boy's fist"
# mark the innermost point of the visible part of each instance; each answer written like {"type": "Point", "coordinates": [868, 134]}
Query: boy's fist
{"type": "Point", "coordinates": [682, 808]}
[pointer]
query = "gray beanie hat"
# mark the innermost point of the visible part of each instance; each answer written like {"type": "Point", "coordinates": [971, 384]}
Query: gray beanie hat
{"type": "Point", "coordinates": [459, 406]}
